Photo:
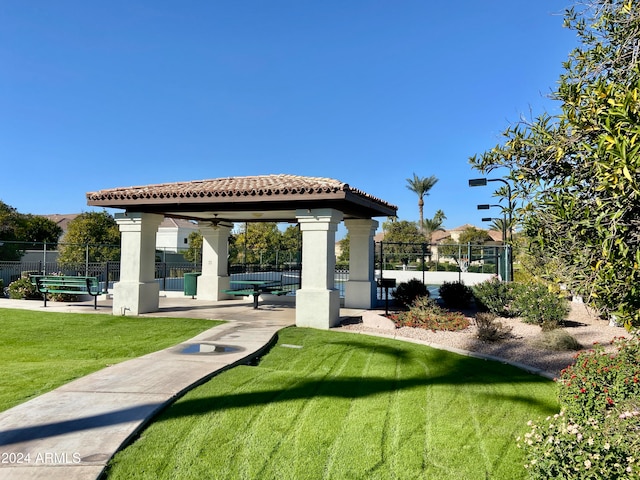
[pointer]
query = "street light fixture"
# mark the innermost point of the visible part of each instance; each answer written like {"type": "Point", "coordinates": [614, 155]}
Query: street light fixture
{"type": "Point", "coordinates": [481, 182]}
{"type": "Point", "coordinates": [504, 226]}
{"type": "Point", "coordinates": [477, 182]}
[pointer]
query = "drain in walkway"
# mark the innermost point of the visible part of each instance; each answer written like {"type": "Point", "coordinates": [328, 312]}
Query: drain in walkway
{"type": "Point", "coordinates": [209, 348]}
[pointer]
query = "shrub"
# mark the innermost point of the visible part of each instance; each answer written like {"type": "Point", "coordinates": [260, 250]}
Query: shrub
{"type": "Point", "coordinates": [455, 294]}
{"type": "Point", "coordinates": [599, 380]}
{"type": "Point", "coordinates": [23, 289]}
{"type": "Point", "coordinates": [494, 296]}
{"type": "Point", "coordinates": [490, 329]}
{"type": "Point", "coordinates": [558, 340]}
{"type": "Point", "coordinates": [425, 313]}
{"type": "Point", "coordinates": [600, 449]}
{"type": "Point", "coordinates": [406, 292]}
{"type": "Point", "coordinates": [597, 433]}
{"type": "Point", "coordinates": [537, 305]}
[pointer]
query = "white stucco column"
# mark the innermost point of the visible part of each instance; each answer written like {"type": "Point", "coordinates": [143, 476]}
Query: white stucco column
{"type": "Point", "coordinates": [360, 290]}
{"type": "Point", "coordinates": [215, 252]}
{"type": "Point", "coordinates": [317, 302]}
{"type": "Point", "coordinates": [137, 291]}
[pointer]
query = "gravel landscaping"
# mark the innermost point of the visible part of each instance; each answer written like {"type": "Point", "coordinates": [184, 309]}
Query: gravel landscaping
{"type": "Point", "coordinates": [583, 324]}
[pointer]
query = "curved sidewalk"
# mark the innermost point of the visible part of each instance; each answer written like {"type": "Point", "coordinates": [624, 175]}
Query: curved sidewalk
{"type": "Point", "coordinates": [72, 432]}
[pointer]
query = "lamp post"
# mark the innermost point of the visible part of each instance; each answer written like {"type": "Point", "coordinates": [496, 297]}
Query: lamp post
{"type": "Point", "coordinates": [504, 237]}
{"type": "Point", "coordinates": [504, 226]}
{"type": "Point", "coordinates": [481, 182]}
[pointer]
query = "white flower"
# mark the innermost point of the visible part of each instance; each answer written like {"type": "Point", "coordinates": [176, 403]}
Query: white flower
{"type": "Point", "coordinates": [607, 446]}
{"type": "Point", "coordinates": [587, 464]}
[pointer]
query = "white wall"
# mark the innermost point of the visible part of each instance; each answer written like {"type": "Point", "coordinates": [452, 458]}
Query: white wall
{"type": "Point", "coordinates": [436, 278]}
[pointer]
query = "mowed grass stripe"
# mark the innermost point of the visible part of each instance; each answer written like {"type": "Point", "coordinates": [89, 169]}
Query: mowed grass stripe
{"type": "Point", "coordinates": [319, 400]}
{"type": "Point", "coordinates": [346, 406]}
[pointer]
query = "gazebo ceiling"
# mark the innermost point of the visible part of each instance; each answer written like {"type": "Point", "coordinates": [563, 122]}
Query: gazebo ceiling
{"type": "Point", "coordinates": [241, 199]}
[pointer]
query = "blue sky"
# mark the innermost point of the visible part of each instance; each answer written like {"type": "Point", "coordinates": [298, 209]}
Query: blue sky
{"type": "Point", "coordinates": [98, 95]}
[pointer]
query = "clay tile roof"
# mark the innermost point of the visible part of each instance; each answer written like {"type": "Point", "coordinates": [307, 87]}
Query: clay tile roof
{"type": "Point", "coordinates": [227, 187]}
{"type": "Point", "coordinates": [261, 188]}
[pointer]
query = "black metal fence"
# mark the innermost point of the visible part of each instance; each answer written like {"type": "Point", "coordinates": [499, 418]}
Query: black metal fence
{"type": "Point", "coordinates": [478, 258]}
{"type": "Point", "coordinates": [169, 275]}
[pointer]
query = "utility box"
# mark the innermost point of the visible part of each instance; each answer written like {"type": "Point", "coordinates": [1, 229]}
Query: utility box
{"type": "Point", "coordinates": [191, 283]}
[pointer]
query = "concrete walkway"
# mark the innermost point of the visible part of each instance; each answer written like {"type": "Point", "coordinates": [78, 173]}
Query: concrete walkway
{"type": "Point", "coordinates": [72, 432]}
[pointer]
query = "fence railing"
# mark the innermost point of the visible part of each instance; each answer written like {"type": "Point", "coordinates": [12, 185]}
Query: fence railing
{"type": "Point", "coordinates": [477, 258]}
{"type": "Point", "coordinates": [170, 276]}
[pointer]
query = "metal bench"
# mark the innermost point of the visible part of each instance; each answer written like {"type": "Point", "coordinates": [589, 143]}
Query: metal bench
{"type": "Point", "coordinates": [52, 284]}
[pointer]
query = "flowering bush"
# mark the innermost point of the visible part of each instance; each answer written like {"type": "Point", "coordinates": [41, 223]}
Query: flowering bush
{"type": "Point", "coordinates": [425, 313]}
{"type": "Point", "coordinates": [23, 289]}
{"type": "Point", "coordinates": [597, 434]}
{"type": "Point", "coordinates": [598, 449]}
{"type": "Point", "coordinates": [599, 380]}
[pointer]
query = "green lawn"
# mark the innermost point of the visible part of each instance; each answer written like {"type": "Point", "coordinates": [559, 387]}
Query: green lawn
{"type": "Point", "coordinates": [40, 351]}
{"type": "Point", "coordinates": [345, 406]}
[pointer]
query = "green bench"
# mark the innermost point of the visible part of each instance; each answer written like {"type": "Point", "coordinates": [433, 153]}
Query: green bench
{"type": "Point", "coordinates": [52, 284]}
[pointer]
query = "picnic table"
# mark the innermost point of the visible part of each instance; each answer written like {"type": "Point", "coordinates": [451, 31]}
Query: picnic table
{"type": "Point", "coordinates": [257, 287]}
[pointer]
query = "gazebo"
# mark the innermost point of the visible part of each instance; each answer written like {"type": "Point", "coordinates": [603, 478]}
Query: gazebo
{"type": "Point", "coordinates": [317, 204]}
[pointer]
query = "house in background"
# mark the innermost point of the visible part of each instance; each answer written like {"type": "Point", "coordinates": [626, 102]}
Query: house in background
{"type": "Point", "coordinates": [172, 236]}
{"type": "Point", "coordinates": [62, 220]}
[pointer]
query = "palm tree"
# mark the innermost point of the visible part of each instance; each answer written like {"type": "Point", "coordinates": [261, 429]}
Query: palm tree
{"type": "Point", "coordinates": [421, 186]}
{"type": "Point", "coordinates": [434, 224]}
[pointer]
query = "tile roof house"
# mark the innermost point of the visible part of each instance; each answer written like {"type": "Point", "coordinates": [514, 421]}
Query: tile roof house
{"type": "Point", "coordinates": [173, 234]}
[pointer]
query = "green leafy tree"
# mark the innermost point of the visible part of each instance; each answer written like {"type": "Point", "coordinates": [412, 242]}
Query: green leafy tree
{"type": "Point", "coordinates": [474, 236]}
{"type": "Point", "coordinates": [402, 241]}
{"type": "Point", "coordinates": [259, 242]}
{"type": "Point", "coordinates": [345, 245]}
{"type": "Point", "coordinates": [97, 231]}
{"type": "Point", "coordinates": [291, 244]}
{"type": "Point", "coordinates": [18, 227]}
{"type": "Point", "coordinates": [421, 186]}
{"type": "Point", "coordinates": [10, 224]}
{"type": "Point", "coordinates": [402, 231]}
{"type": "Point", "coordinates": [36, 228]}
{"type": "Point", "coordinates": [193, 253]}
{"type": "Point", "coordinates": [459, 249]}
{"type": "Point", "coordinates": [577, 174]}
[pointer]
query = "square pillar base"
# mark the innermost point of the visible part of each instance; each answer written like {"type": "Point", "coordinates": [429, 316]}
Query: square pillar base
{"type": "Point", "coordinates": [359, 294]}
{"type": "Point", "coordinates": [210, 287]}
{"type": "Point", "coordinates": [317, 308]}
{"type": "Point", "coordinates": [131, 298]}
